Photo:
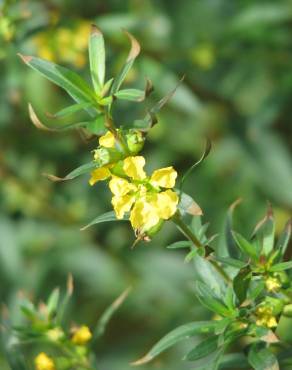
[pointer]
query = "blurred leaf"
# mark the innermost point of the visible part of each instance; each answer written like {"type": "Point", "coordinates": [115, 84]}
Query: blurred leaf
{"type": "Point", "coordinates": [284, 239]}
{"type": "Point", "coordinates": [107, 315]}
{"type": "Point", "coordinates": [281, 266]}
{"type": "Point", "coordinates": [182, 332]}
{"type": "Point", "coordinates": [234, 361]}
{"type": "Point", "coordinates": [188, 205]}
{"type": "Point", "coordinates": [231, 262]}
{"type": "Point", "coordinates": [131, 95]}
{"type": "Point", "coordinates": [264, 232]}
{"type": "Point", "coordinates": [97, 58]}
{"type": "Point", "coordinates": [181, 244]}
{"type": "Point", "coordinates": [262, 358]}
{"type": "Point", "coordinates": [52, 303]}
{"type": "Point", "coordinates": [241, 283]}
{"type": "Point", "coordinates": [70, 110]}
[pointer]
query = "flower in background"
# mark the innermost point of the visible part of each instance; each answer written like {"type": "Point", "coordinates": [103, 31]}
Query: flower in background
{"type": "Point", "coordinates": [44, 362]}
{"type": "Point", "coordinates": [82, 335]}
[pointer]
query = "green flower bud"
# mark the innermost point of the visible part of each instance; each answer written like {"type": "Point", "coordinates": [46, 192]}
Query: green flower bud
{"type": "Point", "coordinates": [104, 156]}
{"type": "Point", "coordinates": [155, 229]}
{"type": "Point", "coordinates": [135, 141]}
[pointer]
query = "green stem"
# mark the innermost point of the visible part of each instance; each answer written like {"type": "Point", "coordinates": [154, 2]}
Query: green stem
{"type": "Point", "coordinates": [186, 231]}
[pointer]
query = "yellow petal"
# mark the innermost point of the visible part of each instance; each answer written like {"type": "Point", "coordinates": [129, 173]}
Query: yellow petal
{"type": "Point", "coordinates": [133, 167]}
{"type": "Point", "coordinates": [107, 140]}
{"type": "Point", "coordinates": [122, 204]}
{"type": "Point", "coordinates": [164, 177]}
{"type": "Point", "coordinates": [165, 203]}
{"type": "Point", "coordinates": [120, 187]}
{"type": "Point", "coordinates": [143, 215]}
{"type": "Point", "coordinates": [82, 335]}
{"type": "Point", "coordinates": [99, 174]}
{"type": "Point", "coordinates": [44, 362]}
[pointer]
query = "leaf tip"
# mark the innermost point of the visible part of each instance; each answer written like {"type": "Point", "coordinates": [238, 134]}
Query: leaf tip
{"type": "Point", "coordinates": [135, 46]}
{"type": "Point", "coordinates": [25, 58]}
{"type": "Point", "coordinates": [95, 31]}
{"type": "Point", "coordinates": [142, 361]}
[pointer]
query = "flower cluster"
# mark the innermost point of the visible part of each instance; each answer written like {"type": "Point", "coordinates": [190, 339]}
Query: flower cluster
{"type": "Point", "coordinates": [150, 200]}
{"type": "Point", "coordinates": [265, 317]}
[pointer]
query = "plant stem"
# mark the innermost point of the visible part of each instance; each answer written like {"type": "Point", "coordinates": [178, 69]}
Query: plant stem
{"type": "Point", "coordinates": [186, 231]}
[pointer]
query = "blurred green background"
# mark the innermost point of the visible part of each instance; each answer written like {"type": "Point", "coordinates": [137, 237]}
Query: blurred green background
{"type": "Point", "coordinates": [236, 57]}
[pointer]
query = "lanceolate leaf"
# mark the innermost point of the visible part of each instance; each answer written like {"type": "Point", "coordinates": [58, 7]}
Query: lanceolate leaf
{"type": "Point", "coordinates": [281, 266]}
{"type": "Point", "coordinates": [245, 246]}
{"type": "Point", "coordinates": [107, 315]}
{"type": "Point", "coordinates": [70, 110]}
{"type": "Point", "coordinates": [203, 349]}
{"type": "Point", "coordinates": [70, 81]}
{"type": "Point", "coordinates": [210, 300]}
{"type": "Point", "coordinates": [231, 262]}
{"type": "Point", "coordinates": [175, 336]}
{"type": "Point", "coordinates": [231, 247]}
{"type": "Point", "coordinates": [181, 244]}
{"type": "Point", "coordinates": [262, 359]}
{"type": "Point", "coordinates": [75, 173]}
{"type": "Point", "coordinates": [97, 58]}
{"type": "Point", "coordinates": [264, 232]}
{"type": "Point", "coordinates": [131, 95]}
{"type": "Point", "coordinates": [241, 283]}
{"type": "Point", "coordinates": [106, 217]}
{"type": "Point", "coordinates": [134, 52]}
{"type": "Point", "coordinates": [284, 238]}
{"type": "Point", "coordinates": [206, 152]}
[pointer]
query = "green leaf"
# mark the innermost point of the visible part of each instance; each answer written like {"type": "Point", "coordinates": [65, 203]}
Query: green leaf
{"type": "Point", "coordinates": [85, 168]}
{"type": "Point", "coordinates": [206, 273]}
{"type": "Point", "coordinates": [64, 303]}
{"type": "Point", "coordinates": [281, 266]}
{"type": "Point", "coordinates": [205, 154]}
{"type": "Point", "coordinates": [284, 238]}
{"type": "Point", "coordinates": [264, 232]}
{"type": "Point", "coordinates": [131, 95]}
{"type": "Point", "coordinates": [210, 300]}
{"type": "Point", "coordinates": [106, 217]}
{"type": "Point", "coordinates": [53, 301]}
{"type": "Point", "coordinates": [96, 126]}
{"type": "Point", "coordinates": [188, 205]}
{"type": "Point", "coordinates": [203, 349]}
{"type": "Point", "coordinates": [181, 244]}
{"type": "Point", "coordinates": [107, 315]}
{"type": "Point", "coordinates": [230, 247]}
{"type": "Point", "coordinates": [241, 283]}
{"type": "Point", "coordinates": [245, 246]}
{"type": "Point", "coordinates": [134, 52]}
{"type": "Point", "coordinates": [234, 361]}
{"type": "Point", "coordinates": [262, 359]}
{"type": "Point", "coordinates": [231, 262]}
{"type": "Point", "coordinates": [175, 336]}
{"type": "Point", "coordinates": [255, 289]}
{"type": "Point", "coordinates": [70, 81]}
{"type": "Point", "coordinates": [97, 58]}
{"type": "Point", "coordinates": [70, 110]}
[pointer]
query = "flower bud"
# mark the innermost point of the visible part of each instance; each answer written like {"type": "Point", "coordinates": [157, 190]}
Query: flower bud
{"type": "Point", "coordinates": [135, 141]}
{"type": "Point", "coordinates": [104, 156]}
{"type": "Point", "coordinates": [82, 335]}
{"type": "Point", "coordinates": [44, 362]}
{"type": "Point", "coordinates": [155, 229]}
{"type": "Point", "coordinates": [55, 334]}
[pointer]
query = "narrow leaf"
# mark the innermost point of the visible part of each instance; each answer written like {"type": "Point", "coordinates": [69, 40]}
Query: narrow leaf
{"type": "Point", "coordinates": [73, 174]}
{"type": "Point", "coordinates": [281, 266]}
{"type": "Point", "coordinates": [245, 246]}
{"type": "Point", "coordinates": [106, 217]}
{"type": "Point", "coordinates": [97, 58]}
{"type": "Point", "coordinates": [134, 52]}
{"type": "Point", "coordinates": [107, 315]}
{"type": "Point", "coordinates": [70, 110]}
{"type": "Point", "coordinates": [241, 284]}
{"type": "Point", "coordinates": [284, 238]}
{"type": "Point", "coordinates": [264, 232]}
{"type": "Point", "coordinates": [70, 81]}
{"type": "Point", "coordinates": [231, 262]}
{"type": "Point", "coordinates": [203, 349]}
{"type": "Point", "coordinates": [181, 244]}
{"type": "Point", "coordinates": [177, 335]}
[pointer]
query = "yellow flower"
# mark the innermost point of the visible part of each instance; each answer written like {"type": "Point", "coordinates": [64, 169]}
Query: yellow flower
{"type": "Point", "coordinates": [267, 321]}
{"type": "Point", "coordinates": [164, 177]}
{"type": "Point", "coordinates": [133, 167]}
{"type": "Point", "coordinates": [81, 335]}
{"type": "Point", "coordinates": [44, 362]}
{"type": "Point", "coordinates": [107, 140]}
{"type": "Point", "coordinates": [122, 204]}
{"type": "Point", "coordinates": [120, 187]}
{"type": "Point", "coordinates": [143, 215]}
{"type": "Point", "coordinates": [272, 284]}
{"type": "Point", "coordinates": [99, 174]}
{"type": "Point", "coordinates": [165, 204]}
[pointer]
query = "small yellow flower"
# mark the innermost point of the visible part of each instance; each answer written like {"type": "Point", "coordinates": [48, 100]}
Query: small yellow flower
{"type": "Point", "coordinates": [164, 177]}
{"type": "Point", "coordinates": [143, 215]}
{"type": "Point", "coordinates": [107, 140]}
{"type": "Point", "coordinates": [122, 204]}
{"type": "Point", "coordinates": [44, 362]}
{"type": "Point", "coordinates": [133, 167]}
{"type": "Point", "coordinates": [120, 187]}
{"type": "Point", "coordinates": [272, 284]}
{"type": "Point", "coordinates": [165, 204]}
{"type": "Point", "coordinates": [99, 174]}
{"type": "Point", "coordinates": [265, 317]}
{"type": "Point", "coordinates": [82, 335]}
